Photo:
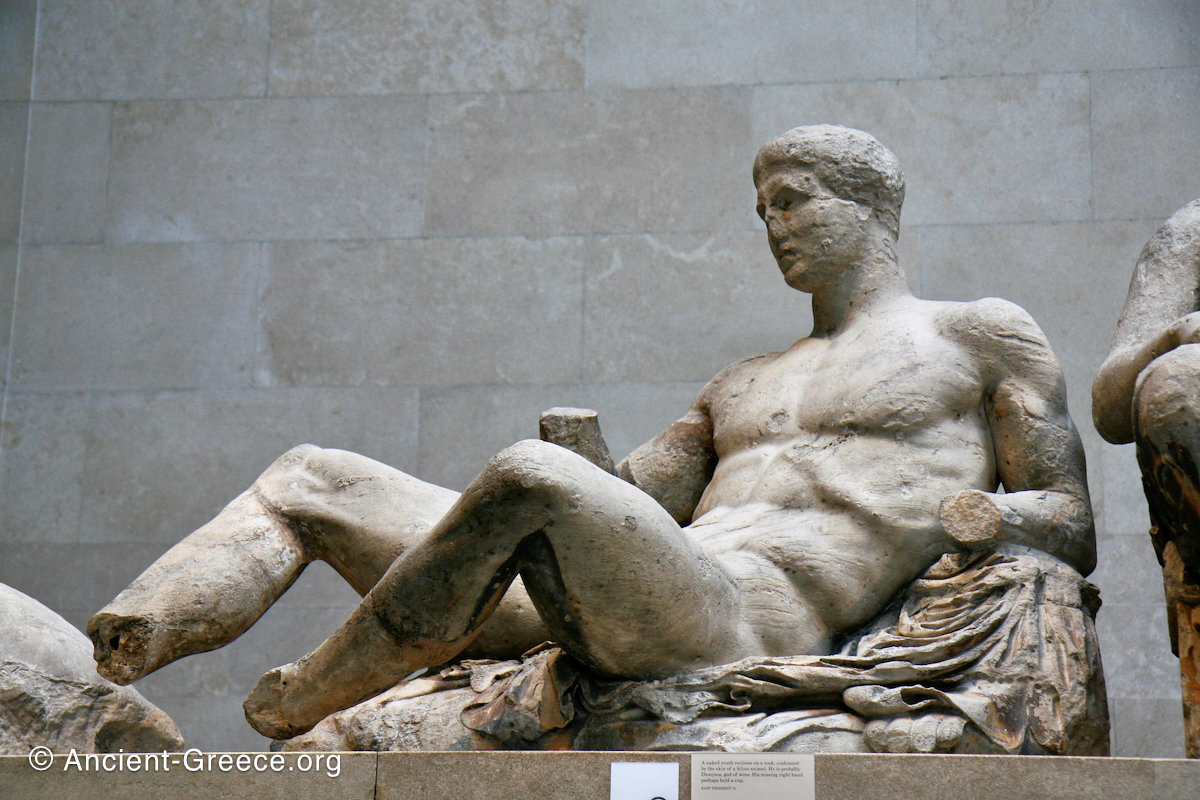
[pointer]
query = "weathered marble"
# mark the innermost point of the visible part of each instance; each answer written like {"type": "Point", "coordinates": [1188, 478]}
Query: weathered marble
{"type": "Point", "coordinates": [760, 539]}
{"type": "Point", "coordinates": [578, 430]}
{"type": "Point", "coordinates": [1148, 392]}
{"type": "Point", "coordinates": [885, 681]}
{"type": "Point", "coordinates": [51, 696]}
{"type": "Point", "coordinates": [498, 415]}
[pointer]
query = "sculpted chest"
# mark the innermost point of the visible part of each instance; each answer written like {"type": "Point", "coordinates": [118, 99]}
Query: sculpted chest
{"type": "Point", "coordinates": [904, 384]}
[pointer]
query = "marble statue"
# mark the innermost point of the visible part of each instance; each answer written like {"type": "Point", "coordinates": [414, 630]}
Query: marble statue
{"type": "Point", "coordinates": [740, 565]}
{"type": "Point", "coordinates": [1148, 392]}
{"type": "Point", "coordinates": [51, 696]}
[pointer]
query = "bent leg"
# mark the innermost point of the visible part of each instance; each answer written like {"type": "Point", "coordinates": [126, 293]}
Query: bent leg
{"type": "Point", "coordinates": [348, 510]}
{"type": "Point", "coordinates": [613, 576]}
{"type": "Point", "coordinates": [1167, 431]}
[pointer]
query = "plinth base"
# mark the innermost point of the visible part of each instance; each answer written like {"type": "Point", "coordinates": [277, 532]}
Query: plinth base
{"type": "Point", "coordinates": [582, 776]}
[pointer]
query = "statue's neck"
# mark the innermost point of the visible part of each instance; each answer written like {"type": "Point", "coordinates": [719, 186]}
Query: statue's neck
{"type": "Point", "coordinates": [861, 290]}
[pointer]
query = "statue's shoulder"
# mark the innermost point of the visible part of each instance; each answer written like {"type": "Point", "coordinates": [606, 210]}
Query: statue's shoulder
{"type": "Point", "coordinates": [990, 323]}
{"type": "Point", "coordinates": [738, 373]}
{"type": "Point", "coordinates": [1173, 253]}
{"type": "Point", "coordinates": [1184, 223]}
{"type": "Point", "coordinates": [1002, 339]}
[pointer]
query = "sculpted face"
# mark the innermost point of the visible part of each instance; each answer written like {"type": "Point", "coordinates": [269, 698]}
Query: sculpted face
{"type": "Point", "coordinates": [814, 235]}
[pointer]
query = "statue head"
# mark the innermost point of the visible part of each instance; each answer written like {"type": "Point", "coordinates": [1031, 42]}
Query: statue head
{"type": "Point", "coordinates": [849, 163]}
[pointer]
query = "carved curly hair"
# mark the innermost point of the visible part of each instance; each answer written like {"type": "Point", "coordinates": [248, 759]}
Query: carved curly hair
{"type": "Point", "coordinates": [851, 164]}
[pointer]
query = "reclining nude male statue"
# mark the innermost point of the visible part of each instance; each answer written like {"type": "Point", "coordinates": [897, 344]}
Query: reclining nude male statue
{"type": "Point", "coordinates": [820, 534]}
{"type": "Point", "coordinates": [1148, 392]}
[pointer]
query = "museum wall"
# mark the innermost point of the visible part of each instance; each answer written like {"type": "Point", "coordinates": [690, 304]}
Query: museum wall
{"type": "Point", "coordinates": [406, 228]}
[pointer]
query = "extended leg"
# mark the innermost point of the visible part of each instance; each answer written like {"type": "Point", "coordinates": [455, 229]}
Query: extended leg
{"type": "Point", "coordinates": [348, 510]}
{"type": "Point", "coordinates": [614, 578]}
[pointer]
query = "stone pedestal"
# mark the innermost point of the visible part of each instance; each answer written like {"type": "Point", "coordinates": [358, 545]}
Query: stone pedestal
{"type": "Point", "coordinates": [585, 776]}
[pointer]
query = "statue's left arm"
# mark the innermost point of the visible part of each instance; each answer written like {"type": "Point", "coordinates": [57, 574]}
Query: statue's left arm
{"type": "Point", "coordinates": [1160, 314]}
{"type": "Point", "coordinates": [1039, 457]}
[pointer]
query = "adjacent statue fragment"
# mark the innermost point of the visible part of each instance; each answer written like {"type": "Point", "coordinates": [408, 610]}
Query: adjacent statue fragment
{"type": "Point", "coordinates": [741, 565]}
{"type": "Point", "coordinates": [1148, 392]}
{"type": "Point", "coordinates": [50, 696]}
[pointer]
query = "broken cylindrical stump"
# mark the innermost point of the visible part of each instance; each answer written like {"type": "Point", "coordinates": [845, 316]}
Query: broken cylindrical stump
{"type": "Point", "coordinates": [578, 430]}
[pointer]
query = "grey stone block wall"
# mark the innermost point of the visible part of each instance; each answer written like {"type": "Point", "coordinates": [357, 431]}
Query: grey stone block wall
{"type": "Point", "coordinates": [405, 228]}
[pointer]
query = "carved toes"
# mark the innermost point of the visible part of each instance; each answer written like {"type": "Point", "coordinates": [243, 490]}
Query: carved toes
{"type": "Point", "coordinates": [915, 733]}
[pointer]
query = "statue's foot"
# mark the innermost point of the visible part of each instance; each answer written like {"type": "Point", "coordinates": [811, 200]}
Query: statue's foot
{"type": "Point", "coordinates": [125, 646]}
{"type": "Point", "coordinates": [932, 732]}
{"type": "Point", "coordinates": [271, 708]}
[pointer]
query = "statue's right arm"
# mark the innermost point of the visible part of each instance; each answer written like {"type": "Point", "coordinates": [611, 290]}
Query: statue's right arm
{"type": "Point", "coordinates": [676, 466]}
{"type": "Point", "coordinates": [1159, 315]}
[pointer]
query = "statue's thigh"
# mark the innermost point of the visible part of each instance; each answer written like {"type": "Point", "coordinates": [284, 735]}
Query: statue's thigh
{"type": "Point", "coordinates": [616, 580]}
{"type": "Point", "coordinates": [1167, 400]}
{"type": "Point", "coordinates": [358, 514]}
{"type": "Point", "coordinates": [1167, 432]}
{"type": "Point", "coordinates": [364, 515]}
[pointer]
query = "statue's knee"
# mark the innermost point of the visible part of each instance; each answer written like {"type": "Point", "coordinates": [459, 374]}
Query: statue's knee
{"type": "Point", "coordinates": [291, 478]}
{"type": "Point", "coordinates": [528, 464]}
{"type": "Point", "coordinates": [297, 455]}
{"type": "Point", "coordinates": [1167, 395]}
